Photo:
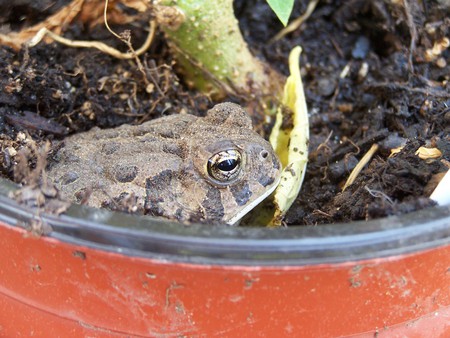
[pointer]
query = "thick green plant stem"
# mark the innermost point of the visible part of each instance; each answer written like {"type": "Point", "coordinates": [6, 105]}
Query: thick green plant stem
{"type": "Point", "coordinates": [212, 52]}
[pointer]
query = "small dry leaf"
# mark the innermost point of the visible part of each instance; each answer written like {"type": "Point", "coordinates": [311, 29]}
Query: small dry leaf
{"type": "Point", "coordinates": [428, 153]}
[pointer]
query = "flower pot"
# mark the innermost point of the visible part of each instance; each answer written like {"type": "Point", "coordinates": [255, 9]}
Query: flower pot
{"type": "Point", "coordinates": [99, 273]}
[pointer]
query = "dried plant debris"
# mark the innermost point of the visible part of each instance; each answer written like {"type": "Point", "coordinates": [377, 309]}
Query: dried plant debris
{"type": "Point", "coordinates": [90, 12]}
{"type": "Point", "coordinates": [37, 191]}
{"type": "Point", "coordinates": [32, 122]}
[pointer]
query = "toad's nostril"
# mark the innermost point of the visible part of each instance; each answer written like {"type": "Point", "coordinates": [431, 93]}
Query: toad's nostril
{"type": "Point", "coordinates": [264, 154]}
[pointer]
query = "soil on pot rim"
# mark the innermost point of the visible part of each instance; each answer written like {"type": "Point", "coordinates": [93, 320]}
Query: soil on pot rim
{"type": "Point", "coordinates": [372, 70]}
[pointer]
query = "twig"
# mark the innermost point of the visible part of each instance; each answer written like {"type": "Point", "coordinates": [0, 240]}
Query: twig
{"type": "Point", "coordinates": [362, 163]}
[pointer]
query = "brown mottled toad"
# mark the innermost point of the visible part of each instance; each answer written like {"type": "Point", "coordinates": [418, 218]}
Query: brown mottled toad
{"type": "Point", "coordinates": [210, 169]}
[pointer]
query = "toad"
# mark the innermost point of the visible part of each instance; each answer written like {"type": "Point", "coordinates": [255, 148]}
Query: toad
{"type": "Point", "coordinates": [211, 169]}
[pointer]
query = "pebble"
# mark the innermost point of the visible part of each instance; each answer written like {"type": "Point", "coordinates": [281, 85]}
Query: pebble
{"type": "Point", "coordinates": [361, 48]}
{"type": "Point", "coordinates": [326, 87]}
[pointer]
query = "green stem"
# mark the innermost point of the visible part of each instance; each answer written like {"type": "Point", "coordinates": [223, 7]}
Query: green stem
{"type": "Point", "coordinates": [212, 52]}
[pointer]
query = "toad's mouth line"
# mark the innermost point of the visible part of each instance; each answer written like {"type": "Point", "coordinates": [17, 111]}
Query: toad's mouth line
{"type": "Point", "coordinates": [253, 204]}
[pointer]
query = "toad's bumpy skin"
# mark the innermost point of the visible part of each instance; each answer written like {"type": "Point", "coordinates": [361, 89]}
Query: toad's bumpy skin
{"type": "Point", "coordinates": [193, 169]}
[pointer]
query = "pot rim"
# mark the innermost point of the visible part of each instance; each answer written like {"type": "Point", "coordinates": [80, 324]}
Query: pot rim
{"type": "Point", "coordinates": [149, 237]}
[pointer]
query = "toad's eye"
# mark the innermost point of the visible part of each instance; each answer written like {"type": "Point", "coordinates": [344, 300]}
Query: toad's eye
{"type": "Point", "coordinates": [225, 165]}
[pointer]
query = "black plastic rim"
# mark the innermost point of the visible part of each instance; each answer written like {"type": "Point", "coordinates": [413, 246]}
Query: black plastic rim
{"type": "Point", "coordinates": [218, 245]}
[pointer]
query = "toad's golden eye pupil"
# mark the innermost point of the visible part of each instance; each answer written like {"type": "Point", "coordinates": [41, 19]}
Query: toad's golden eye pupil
{"type": "Point", "coordinates": [225, 166]}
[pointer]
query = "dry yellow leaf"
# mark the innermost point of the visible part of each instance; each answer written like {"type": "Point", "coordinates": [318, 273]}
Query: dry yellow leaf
{"type": "Point", "coordinates": [428, 153]}
{"type": "Point", "coordinates": [291, 145]}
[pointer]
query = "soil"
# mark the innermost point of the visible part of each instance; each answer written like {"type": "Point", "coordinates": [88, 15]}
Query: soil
{"type": "Point", "coordinates": [368, 74]}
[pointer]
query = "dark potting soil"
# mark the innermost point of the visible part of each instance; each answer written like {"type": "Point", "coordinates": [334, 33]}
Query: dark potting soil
{"type": "Point", "coordinates": [368, 74]}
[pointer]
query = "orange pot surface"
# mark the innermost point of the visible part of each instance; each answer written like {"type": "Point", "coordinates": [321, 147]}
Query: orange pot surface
{"type": "Point", "coordinates": [50, 288]}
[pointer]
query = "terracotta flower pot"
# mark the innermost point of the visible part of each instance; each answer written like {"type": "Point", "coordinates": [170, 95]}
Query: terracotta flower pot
{"type": "Point", "coordinates": [105, 274]}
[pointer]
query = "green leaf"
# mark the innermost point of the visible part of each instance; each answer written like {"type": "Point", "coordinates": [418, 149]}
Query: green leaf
{"type": "Point", "coordinates": [282, 8]}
